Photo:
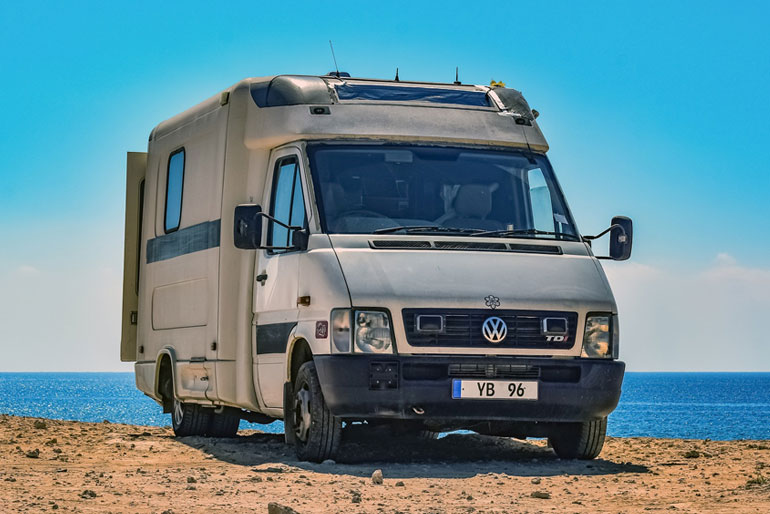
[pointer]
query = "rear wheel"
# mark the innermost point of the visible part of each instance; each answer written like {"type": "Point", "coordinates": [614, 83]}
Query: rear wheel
{"type": "Point", "coordinates": [189, 419]}
{"type": "Point", "coordinates": [579, 440]}
{"type": "Point", "coordinates": [317, 432]}
{"type": "Point", "coordinates": [225, 423]}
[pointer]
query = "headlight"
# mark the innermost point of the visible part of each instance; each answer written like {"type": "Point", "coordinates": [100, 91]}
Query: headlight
{"type": "Point", "coordinates": [597, 340]}
{"type": "Point", "coordinates": [341, 331]}
{"type": "Point", "coordinates": [372, 330]}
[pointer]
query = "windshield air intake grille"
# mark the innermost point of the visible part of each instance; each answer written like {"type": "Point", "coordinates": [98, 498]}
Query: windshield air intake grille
{"type": "Point", "coordinates": [406, 244]}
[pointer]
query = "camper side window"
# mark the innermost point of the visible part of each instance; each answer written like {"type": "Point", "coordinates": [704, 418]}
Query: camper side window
{"type": "Point", "coordinates": [287, 204]}
{"type": "Point", "coordinates": [174, 188]}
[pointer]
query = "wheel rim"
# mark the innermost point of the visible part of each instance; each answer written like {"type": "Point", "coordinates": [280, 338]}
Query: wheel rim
{"type": "Point", "coordinates": [302, 418]}
{"type": "Point", "coordinates": [178, 412]}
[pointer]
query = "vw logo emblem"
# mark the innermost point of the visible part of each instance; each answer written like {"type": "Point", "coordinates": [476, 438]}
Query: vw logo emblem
{"type": "Point", "coordinates": [494, 329]}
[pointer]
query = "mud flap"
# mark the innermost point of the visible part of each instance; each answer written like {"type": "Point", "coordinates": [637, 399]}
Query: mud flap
{"type": "Point", "coordinates": [288, 413]}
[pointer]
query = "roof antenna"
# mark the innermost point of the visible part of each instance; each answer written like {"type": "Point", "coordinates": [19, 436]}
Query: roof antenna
{"type": "Point", "coordinates": [396, 79]}
{"type": "Point", "coordinates": [457, 74]}
{"type": "Point", "coordinates": [335, 59]}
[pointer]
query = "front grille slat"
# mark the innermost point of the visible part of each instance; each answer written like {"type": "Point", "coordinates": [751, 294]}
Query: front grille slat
{"type": "Point", "coordinates": [463, 329]}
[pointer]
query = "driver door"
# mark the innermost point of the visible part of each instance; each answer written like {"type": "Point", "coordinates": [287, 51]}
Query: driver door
{"type": "Point", "coordinates": [277, 273]}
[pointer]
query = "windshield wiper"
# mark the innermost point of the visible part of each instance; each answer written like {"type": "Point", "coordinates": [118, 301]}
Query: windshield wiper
{"type": "Point", "coordinates": [524, 231]}
{"type": "Point", "coordinates": [427, 228]}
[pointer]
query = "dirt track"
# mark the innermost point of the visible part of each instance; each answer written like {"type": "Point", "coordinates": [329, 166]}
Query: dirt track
{"type": "Point", "coordinates": [85, 467]}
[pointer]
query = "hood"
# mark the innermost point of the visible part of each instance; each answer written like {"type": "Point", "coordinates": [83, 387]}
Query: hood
{"type": "Point", "coordinates": [523, 276]}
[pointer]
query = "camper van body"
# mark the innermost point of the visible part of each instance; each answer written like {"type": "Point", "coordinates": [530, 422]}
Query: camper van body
{"type": "Point", "coordinates": [220, 333]}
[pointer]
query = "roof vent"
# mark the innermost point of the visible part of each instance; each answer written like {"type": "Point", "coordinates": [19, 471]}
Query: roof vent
{"type": "Point", "coordinates": [338, 74]}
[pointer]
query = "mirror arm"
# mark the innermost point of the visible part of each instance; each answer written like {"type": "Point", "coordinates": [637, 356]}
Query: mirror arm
{"type": "Point", "coordinates": [281, 223]}
{"type": "Point", "coordinates": [591, 238]}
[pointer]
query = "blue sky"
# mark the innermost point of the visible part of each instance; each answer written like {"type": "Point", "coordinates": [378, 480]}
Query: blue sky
{"type": "Point", "coordinates": [656, 110]}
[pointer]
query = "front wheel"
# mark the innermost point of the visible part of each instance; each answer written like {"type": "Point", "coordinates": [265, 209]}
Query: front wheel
{"type": "Point", "coordinates": [579, 440]}
{"type": "Point", "coordinates": [317, 432]}
{"type": "Point", "coordinates": [189, 419]}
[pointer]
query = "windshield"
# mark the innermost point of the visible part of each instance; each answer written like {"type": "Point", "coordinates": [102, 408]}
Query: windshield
{"type": "Point", "coordinates": [390, 188]}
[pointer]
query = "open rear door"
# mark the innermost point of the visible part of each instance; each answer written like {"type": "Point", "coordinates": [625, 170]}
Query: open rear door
{"type": "Point", "coordinates": [136, 166]}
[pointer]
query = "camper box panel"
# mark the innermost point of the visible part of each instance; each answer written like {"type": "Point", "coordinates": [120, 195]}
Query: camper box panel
{"type": "Point", "coordinates": [181, 266]}
{"type": "Point", "coordinates": [409, 123]}
{"type": "Point", "coordinates": [244, 180]}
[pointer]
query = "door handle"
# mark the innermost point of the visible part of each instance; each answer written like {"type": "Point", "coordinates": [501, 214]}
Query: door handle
{"type": "Point", "coordinates": [261, 278]}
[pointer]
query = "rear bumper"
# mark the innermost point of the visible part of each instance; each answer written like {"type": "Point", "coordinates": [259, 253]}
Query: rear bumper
{"type": "Point", "coordinates": [393, 387]}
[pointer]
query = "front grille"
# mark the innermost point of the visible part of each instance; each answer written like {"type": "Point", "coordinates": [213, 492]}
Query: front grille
{"type": "Point", "coordinates": [463, 328]}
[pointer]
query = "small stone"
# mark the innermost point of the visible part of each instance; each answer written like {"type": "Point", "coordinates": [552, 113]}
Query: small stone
{"type": "Point", "coordinates": [88, 494]}
{"type": "Point", "coordinates": [536, 480]}
{"type": "Point", "coordinates": [191, 480]}
{"type": "Point", "coordinates": [400, 484]}
{"type": "Point", "coordinates": [277, 508]}
{"type": "Point", "coordinates": [33, 454]}
{"type": "Point", "coordinates": [39, 424]}
{"type": "Point", "coordinates": [377, 477]}
{"type": "Point", "coordinates": [543, 495]}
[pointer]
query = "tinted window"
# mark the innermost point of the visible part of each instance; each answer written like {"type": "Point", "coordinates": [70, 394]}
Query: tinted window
{"type": "Point", "coordinates": [361, 189]}
{"type": "Point", "coordinates": [287, 203]}
{"type": "Point", "coordinates": [174, 188]}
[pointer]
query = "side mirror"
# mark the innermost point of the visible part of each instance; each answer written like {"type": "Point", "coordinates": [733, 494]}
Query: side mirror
{"type": "Point", "coordinates": [299, 239]}
{"type": "Point", "coordinates": [621, 238]}
{"type": "Point", "coordinates": [247, 227]}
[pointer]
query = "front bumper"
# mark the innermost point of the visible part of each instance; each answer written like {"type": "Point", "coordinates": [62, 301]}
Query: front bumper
{"type": "Point", "coordinates": [420, 388]}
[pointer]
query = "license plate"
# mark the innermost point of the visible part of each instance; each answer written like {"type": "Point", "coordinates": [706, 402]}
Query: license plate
{"type": "Point", "coordinates": [494, 390]}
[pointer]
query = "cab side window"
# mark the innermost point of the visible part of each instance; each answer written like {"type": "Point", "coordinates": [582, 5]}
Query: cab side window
{"type": "Point", "coordinates": [287, 204]}
{"type": "Point", "coordinates": [174, 189]}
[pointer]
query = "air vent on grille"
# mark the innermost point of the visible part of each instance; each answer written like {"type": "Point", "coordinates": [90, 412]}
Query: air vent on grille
{"type": "Point", "coordinates": [461, 245]}
{"type": "Point", "coordinates": [389, 243]}
{"type": "Point", "coordinates": [524, 248]}
{"type": "Point", "coordinates": [401, 244]}
{"type": "Point", "coordinates": [493, 371]}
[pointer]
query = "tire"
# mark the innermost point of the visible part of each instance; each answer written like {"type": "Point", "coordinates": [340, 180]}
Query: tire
{"type": "Point", "coordinates": [580, 440]}
{"type": "Point", "coordinates": [317, 432]}
{"type": "Point", "coordinates": [225, 423]}
{"type": "Point", "coordinates": [189, 419]}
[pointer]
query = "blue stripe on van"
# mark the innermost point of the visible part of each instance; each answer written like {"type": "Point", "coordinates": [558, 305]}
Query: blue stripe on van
{"type": "Point", "coordinates": [185, 240]}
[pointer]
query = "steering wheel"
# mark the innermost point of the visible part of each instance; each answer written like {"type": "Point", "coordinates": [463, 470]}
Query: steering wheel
{"type": "Point", "coordinates": [364, 213]}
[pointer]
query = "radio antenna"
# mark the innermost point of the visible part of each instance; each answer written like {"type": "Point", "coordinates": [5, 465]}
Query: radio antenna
{"type": "Point", "coordinates": [457, 75]}
{"type": "Point", "coordinates": [396, 79]}
{"type": "Point", "coordinates": [337, 69]}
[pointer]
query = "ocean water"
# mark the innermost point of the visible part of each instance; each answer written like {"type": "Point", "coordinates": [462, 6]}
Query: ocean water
{"type": "Point", "coordinates": [682, 405]}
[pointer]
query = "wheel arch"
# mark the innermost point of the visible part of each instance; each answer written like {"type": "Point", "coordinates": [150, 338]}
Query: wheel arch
{"type": "Point", "coordinates": [165, 366]}
{"type": "Point", "coordinates": [299, 352]}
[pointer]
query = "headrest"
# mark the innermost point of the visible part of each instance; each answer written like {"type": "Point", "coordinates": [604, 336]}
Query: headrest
{"type": "Point", "coordinates": [474, 200]}
{"type": "Point", "coordinates": [334, 199]}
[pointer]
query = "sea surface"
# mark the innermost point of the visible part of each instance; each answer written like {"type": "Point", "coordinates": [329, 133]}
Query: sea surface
{"type": "Point", "coordinates": [721, 406]}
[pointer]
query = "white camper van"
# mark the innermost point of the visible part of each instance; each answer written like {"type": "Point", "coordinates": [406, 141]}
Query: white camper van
{"type": "Point", "coordinates": [330, 250]}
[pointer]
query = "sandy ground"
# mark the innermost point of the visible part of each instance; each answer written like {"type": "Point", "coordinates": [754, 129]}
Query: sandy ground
{"type": "Point", "coordinates": [101, 467]}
